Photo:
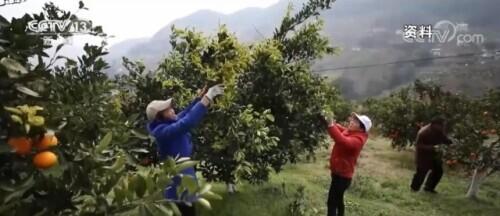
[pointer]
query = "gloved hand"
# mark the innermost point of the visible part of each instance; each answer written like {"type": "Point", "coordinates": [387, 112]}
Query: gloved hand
{"type": "Point", "coordinates": [202, 91]}
{"type": "Point", "coordinates": [214, 91]}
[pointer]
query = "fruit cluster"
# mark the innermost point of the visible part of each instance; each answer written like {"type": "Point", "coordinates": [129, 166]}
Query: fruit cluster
{"type": "Point", "coordinates": [44, 158]}
{"type": "Point", "coordinates": [28, 135]}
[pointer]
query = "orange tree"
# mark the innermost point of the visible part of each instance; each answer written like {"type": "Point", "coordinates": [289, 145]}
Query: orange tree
{"type": "Point", "coordinates": [22, 122]}
{"type": "Point", "coordinates": [268, 115]}
{"type": "Point", "coordinates": [97, 173]}
{"type": "Point", "coordinates": [471, 123]}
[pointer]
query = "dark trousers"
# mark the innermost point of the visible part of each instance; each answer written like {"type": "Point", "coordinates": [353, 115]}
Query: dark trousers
{"type": "Point", "coordinates": [336, 195]}
{"type": "Point", "coordinates": [186, 210]}
{"type": "Point", "coordinates": [436, 172]}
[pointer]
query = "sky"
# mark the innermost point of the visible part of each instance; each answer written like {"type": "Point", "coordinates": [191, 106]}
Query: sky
{"type": "Point", "coordinates": [127, 19]}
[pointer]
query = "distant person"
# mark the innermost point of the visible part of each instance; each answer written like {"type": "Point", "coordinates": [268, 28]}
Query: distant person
{"type": "Point", "coordinates": [171, 132]}
{"type": "Point", "coordinates": [348, 144]}
{"type": "Point", "coordinates": [427, 159]}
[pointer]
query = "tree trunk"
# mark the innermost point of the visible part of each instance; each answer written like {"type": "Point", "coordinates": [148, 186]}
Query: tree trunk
{"type": "Point", "coordinates": [231, 188]}
{"type": "Point", "coordinates": [477, 178]}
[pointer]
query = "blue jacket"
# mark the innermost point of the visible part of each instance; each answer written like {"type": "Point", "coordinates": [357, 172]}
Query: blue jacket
{"type": "Point", "coordinates": [173, 139]}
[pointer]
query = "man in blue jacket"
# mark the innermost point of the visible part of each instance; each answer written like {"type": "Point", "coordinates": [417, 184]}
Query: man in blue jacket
{"type": "Point", "coordinates": [171, 132]}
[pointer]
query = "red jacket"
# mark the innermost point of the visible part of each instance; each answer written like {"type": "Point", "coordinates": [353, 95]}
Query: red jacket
{"type": "Point", "coordinates": [346, 150]}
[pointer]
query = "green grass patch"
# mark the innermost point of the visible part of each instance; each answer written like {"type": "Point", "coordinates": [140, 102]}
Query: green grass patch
{"type": "Point", "coordinates": [380, 187]}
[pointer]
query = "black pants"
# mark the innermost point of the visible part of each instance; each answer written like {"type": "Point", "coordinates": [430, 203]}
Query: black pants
{"type": "Point", "coordinates": [186, 210]}
{"type": "Point", "coordinates": [336, 195]}
{"type": "Point", "coordinates": [433, 179]}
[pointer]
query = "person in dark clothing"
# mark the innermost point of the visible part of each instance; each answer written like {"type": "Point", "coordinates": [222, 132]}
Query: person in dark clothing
{"type": "Point", "coordinates": [348, 144]}
{"type": "Point", "coordinates": [427, 159]}
{"type": "Point", "coordinates": [172, 135]}
{"type": "Point", "coordinates": [338, 186]}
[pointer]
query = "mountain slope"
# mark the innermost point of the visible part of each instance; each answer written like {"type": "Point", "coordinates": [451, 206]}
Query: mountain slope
{"type": "Point", "coordinates": [365, 29]}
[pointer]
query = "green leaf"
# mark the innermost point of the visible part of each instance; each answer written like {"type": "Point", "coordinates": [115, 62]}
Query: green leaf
{"type": "Point", "coordinates": [131, 189]}
{"type": "Point", "coordinates": [14, 68]}
{"type": "Point", "coordinates": [164, 209]}
{"type": "Point", "coordinates": [41, 213]}
{"type": "Point", "coordinates": [36, 120]}
{"type": "Point", "coordinates": [20, 190]}
{"type": "Point", "coordinates": [139, 134]}
{"type": "Point", "coordinates": [59, 47]}
{"type": "Point", "coordinates": [5, 149]}
{"type": "Point", "coordinates": [150, 184]}
{"type": "Point", "coordinates": [104, 143]}
{"type": "Point", "coordinates": [36, 108]}
{"type": "Point", "coordinates": [126, 210]}
{"type": "Point", "coordinates": [13, 110]}
{"type": "Point", "coordinates": [62, 125]}
{"type": "Point", "coordinates": [7, 188]}
{"type": "Point", "coordinates": [131, 183]}
{"type": "Point", "coordinates": [150, 209]}
{"type": "Point", "coordinates": [27, 127]}
{"type": "Point", "coordinates": [184, 165]}
{"type": "Point", "coordinates": [133, 117]}
{"type": "Point", "coordinates": [6, 207]}
{"type": "Point", "coordinates": [204, 203]}
{"type": "Point", "coordinates": [211, 195]}
{"type": "Point", "coordinates": [119, 163]}
{"type": "Point", "coordinates": [270, 117]}
{"type": "Point", "coordinates": [174, 208]}
{"type": "Point", "coordinates": [139, 150]}
{"type": "Point", "coordinates": [24, 108]}
{"type": "Point", "coordinates": [140, 186]}
{"type": "Point", "coordinates": [206, 188]}
{"type": "Point", "coordinates": [16, 118]}
{"type": "Point", "coordinates": [169, 165]}
{"type": "Point", "coordinates": [190, 183]}
{"type": "Point", "coordinates": [143, 211]}
{"type": "Point", "coordinates": [119, 195]}
{"type": "Point", "coordinates": [25, 90]}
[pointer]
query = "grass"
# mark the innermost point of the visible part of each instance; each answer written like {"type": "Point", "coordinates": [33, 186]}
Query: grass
{"type": "Point", "coordinates": [380, 187]}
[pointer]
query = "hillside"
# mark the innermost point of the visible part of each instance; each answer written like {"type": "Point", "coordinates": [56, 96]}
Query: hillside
{"type": "Point", "coordinates": [364, 29]}
{"type": "Point", "coordinates": [380, 187]}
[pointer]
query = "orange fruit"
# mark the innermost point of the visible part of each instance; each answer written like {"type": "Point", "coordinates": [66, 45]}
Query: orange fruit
{"type": "Point", "coordinates": [45, 160]}
{"type": "Point", "coordinates": [48, 141]}
{"type": "Point", "coordinates": [451, 162]}
{"type": "Point", "coordinates": [21, 145]}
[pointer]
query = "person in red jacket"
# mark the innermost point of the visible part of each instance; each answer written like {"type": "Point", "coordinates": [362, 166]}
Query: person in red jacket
{"type": "Point", "coordinates": [348, 144]}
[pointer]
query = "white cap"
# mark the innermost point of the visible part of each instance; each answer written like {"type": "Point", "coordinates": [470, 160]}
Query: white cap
{"type": "Point", "coordinates": [364, 120]}
{"type": "Point", "coordinates": [157, 106]}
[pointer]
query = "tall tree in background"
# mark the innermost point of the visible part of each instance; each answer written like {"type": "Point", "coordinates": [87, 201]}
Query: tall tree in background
{"type": "Point", "coordinates": [473, 125]}
{"type": "Point", "coordinates": [268, 117]}
{"type": "Point", "coordinates": [96, 173]}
